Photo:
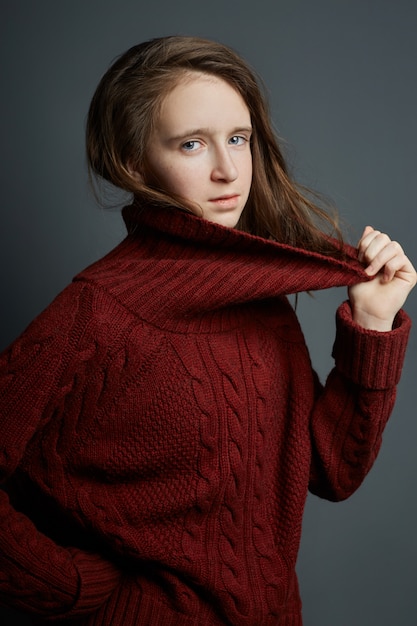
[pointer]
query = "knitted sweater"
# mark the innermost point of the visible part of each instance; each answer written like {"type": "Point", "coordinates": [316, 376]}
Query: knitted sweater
{"type": "Point", "coordinates": [161, 424]}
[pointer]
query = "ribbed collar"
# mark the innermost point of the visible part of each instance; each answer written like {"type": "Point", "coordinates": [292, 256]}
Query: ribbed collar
{"type": "Point", "coordinates": [174, 266]}
{"type": "Point", "coordinates": [207, 240]}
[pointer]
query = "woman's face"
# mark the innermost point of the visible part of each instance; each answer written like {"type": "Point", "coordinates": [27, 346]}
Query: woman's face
{"type": "Point", "coordinates": [200, 148]}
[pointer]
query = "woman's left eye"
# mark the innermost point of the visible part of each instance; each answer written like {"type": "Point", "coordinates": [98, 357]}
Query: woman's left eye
{"type": "Point", "coordinates": [237, 140]}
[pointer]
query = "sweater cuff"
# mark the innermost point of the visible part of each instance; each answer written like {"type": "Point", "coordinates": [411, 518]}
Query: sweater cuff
{"type": "Point", "coordinates": [370, 358]}
{"type": "Point", "coordinates": [97, 580]}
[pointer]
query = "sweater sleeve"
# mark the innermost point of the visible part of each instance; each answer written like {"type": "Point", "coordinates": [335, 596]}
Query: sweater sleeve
{"type": "Point", "coordinates": [37, 575]}
{"type": "Point", "coordinates": [353, 407]}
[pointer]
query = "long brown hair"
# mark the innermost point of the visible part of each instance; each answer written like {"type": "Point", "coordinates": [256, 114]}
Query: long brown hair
{"type": "Point", "coordinates": [125, 108]}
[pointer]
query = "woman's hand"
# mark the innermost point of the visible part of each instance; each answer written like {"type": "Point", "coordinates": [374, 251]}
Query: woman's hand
{"type": "Point", "coordinates": [375, 303]}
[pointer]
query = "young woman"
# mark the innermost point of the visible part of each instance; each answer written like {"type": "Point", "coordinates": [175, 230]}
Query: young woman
{"type": "Point", "coordinates": [161, 422]}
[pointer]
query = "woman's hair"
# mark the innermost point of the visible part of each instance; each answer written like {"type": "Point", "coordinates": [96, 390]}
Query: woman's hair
{"type": "Point", "coordinates": [125, 109]}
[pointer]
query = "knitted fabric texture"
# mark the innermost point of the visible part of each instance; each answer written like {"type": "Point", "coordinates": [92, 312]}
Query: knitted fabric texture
{"type": "Point", "coordinates": [161, 425]}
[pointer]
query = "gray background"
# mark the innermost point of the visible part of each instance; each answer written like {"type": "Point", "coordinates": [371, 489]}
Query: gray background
{"type": "Point", "coordinates": [342, 82]}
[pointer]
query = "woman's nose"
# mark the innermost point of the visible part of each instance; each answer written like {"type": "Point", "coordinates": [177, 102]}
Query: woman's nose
{"type": "Point", "coordinates": [223, 167]}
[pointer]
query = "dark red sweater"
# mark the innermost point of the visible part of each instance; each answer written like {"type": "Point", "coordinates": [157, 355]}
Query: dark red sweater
{"type": "Point", "coordinates": [161, 424]}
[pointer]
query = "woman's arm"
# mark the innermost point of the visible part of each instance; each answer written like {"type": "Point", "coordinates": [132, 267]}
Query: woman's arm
{"type": "Point", "coordinates": [37, 575]}
{"type": "Point", "coordinates": [351, 411]}
{"type": "Point", "coordinates": [353, 407]}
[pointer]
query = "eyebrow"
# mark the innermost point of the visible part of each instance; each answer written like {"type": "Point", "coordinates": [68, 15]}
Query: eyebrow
{"type": "Point", "coordinates": [206, 131]}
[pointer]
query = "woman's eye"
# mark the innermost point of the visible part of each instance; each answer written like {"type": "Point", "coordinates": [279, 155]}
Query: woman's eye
{"type": "Point", "coordinates": [188, 146]}
{"type": "Point", "coordinates": [237, 140]}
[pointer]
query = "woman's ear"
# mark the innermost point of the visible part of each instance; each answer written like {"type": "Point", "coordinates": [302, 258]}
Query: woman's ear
{"type": "Point", "coordinates": [134, 172]}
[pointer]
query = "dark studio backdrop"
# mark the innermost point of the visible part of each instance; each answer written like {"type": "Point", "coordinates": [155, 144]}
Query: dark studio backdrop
{"type": "Point", "coordinates": [343, 92]}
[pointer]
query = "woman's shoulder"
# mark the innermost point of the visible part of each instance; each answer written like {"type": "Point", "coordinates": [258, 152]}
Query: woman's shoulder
{"type": "Point", "coordinates": [83, 312]}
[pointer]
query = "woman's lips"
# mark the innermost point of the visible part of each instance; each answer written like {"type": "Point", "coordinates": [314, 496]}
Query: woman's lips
{"type": "Point", "coordinates": [227, 201]}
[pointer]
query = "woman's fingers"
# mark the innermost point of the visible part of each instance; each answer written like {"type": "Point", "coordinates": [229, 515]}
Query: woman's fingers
{"type": "Point", "coordinates": [380, 254]}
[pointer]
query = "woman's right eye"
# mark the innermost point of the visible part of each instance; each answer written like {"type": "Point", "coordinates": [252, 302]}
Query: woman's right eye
{"type": "Point", "coordinates": [188, 146]}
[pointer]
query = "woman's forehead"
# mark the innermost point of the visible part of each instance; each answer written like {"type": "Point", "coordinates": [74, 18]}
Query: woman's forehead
{"type": "Point", "coordinates": [201, 101]}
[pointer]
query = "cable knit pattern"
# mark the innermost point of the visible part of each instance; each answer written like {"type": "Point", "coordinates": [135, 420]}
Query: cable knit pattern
{"type": "Point", "coordinates": [161, 425]}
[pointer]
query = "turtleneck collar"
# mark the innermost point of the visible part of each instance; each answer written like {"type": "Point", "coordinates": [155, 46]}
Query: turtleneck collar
{"type": "Point", "coordinates": [213, 239]}
{"type": "Point", "coordinates": [174, 265]}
